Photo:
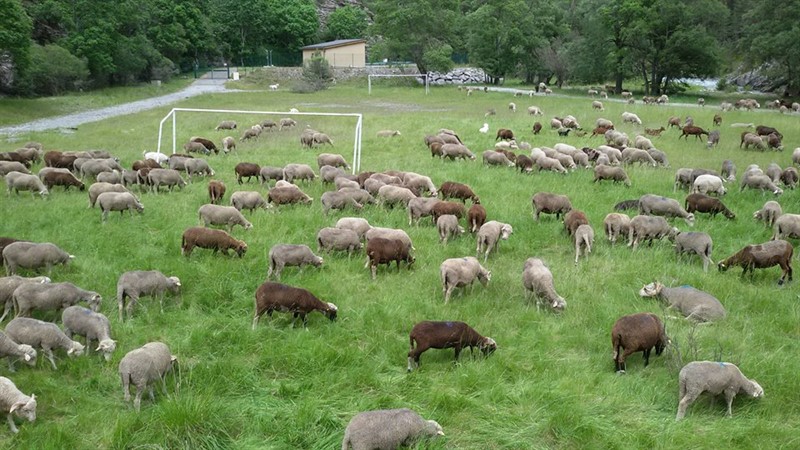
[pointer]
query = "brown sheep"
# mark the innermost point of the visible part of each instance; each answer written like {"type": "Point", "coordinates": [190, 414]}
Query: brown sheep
{"type": "Point", "coordinates": [451, 189]}
{"type": "Point", "coordinates": [763, 130]}
{"type": "Point", "coordinates": [601, 131]}
{"type": "Point", "coordinates": [216, 240]}
{"type": "Point", "coordinates": [248, 170]}
{"type": "Point", "coordinates": [674, 121]}
{"type": "Point", "coordinates": [613, 173]}
{"type": "Point", "coordinates": [524, 164]}
{"type": "Point", "coordinates": [384, 251]}
{"type": "Point", "coordinates": [706, 204]}
{"type": "Point", "coordinates": [300, 302]}
{"type": "Point", "coordinates": [476, 217]}
{"type": "Point", "coordinates": [762, 256]}
{"type": "Point", "coordinates": [717, 120]}
{"type": "Point", "coordinates": [537, 127]}
{"type": "Point", "coordinates": [59, 160]}
{"type": "Point", "coordinates": [206, 143]}
{"type": "Point", "coordinates": [151, 163]}
{"type": "Point", "coordinates": [504, 134]}
{"type": "Point", "coordinates": [442, 208]}
{"type": "Point", "coordinates": [573, 219]}
{"type": "Point", "coordinates": [456, 335]}
{"type": "Point", "coordinates": [216, 190]}
{"type": "Point", "coordinates": [548, 203]}
{"type": "Point", "coordinates": [634, 333]}
{"type": "Point", "coordinates": [436, 149]}
{"type": "Point", "coordinates": [691, 130]}
{"type": "Point", "coordinates": [62, 179]}
{"type": "Point", "coordinates": [654, 131]}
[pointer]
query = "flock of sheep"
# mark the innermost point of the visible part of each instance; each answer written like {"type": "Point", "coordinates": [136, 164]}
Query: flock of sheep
{"type": "Point", "coordinates": [381, 246]}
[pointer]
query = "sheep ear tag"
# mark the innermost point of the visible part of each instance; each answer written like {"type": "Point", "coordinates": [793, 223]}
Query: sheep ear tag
{"type": "Point", "coordinates": [27, 357]}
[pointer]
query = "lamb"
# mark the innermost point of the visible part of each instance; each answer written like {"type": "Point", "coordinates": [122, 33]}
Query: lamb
{"type": "Point", "coordinates": [628, 117]}
{"type": "Point", "coordinates": [340, 239]}
{"type": "Point", "coordinates": [144, 366]}
{"type": "Point", "coordinates": [388, 429]}
{"type": "Point", "coordinates": [299, 172]}
{"type": "Point", "coordinates": [226, 125]}
{"type": "Point", "coordinates": [715, 378]}
{"type": "Point", "coordinates": [282, 255]}
{"type": "Point", "coordinates": [45, 335]}
{"type": "Point", "coordinates": [228, 144]}
{"type": "Point", "coordinates": [647, 228]}
{"type": "Point", "coordinates": [441, 335]}
{"type": "Point", "coordinates": [7, 287]}
{"type": "Point", "coordinates": [166, 177]}
{"type": "Point", "coordinates": [332, 159]}
{"type": "Point", "coordinates": [584, 237]}
{"type": "Point", "coordinates": [287, 195]}
{"type": "Point", "coordinates": [420, 207]}
{"type": "Point", "coordinates": [615, 174]}
{"type": "Point", "coordinates": [489, 236]}
{"type": "Point", "coordinates": [790, 177]}
{"type": "Point", "coordinates": [223, 215]}
{"type": "Point", "coordinates": [14, 401]}
{"type": "Point", "coordinates": [300, 302]}
{"type": "Point", "coordinates": [761, 182]}
{"type": "Point", "coordinates": [9, 349]}
{"type": "Point", "coordinates": [51, 179]}
{"type": "Point", "coordinates": [91, 325]}
{"type": "Point", "coordinates": [447, 225]}
{"type": "Point", "coordinates": [705, 204]}
{"type": "Point", "coordinates": [694, 304]}
{"type": "Point", "coordinates": [118, 201]}
{"type": "Point", "coordinates": [451, 189]}
{"type": "Point", "coordinates": [385, 251]}
{"type": "Point", "coordinates": [615, 225]}
{"type": "Point", "coordinates": [34, 256]}
{"type": "Point", "coordinates": [650, 204]}
{"type": "Point", "coordinates": [762, 256]}
{"type": "Point", "coordinates": [548, 203]}
{"type": "Point", "coordinates": [17, 181]}
{"type": "Point", "coordinates": [634, 333]}
{"type": "Point", "coordinates": [217, 240]}
{"type": "Point", "coordinates": [786, 226]}
{"type": "Point", "coordinates": [538, 281]}
{"type": "Point", "coordinates": [138, 283]}
{"type": "Point", "coordinates": [357, 224]}
{"type": "Point", "coordinates": [769, 212]}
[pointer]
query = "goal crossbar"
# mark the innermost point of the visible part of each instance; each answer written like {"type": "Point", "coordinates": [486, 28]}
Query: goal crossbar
{"type": "Point", "coordinates": [420, 75]}
{"type": "Point", "coordinates": [173, 113]}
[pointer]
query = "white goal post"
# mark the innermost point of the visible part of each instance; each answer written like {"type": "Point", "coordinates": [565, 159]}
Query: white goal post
{"type": "Point", "coordinates": [419, 75]}
{"type": "Point", "coordinates": [174, 114]}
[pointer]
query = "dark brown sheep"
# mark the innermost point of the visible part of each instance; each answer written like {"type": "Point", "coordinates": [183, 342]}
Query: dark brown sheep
{"type": "Point", "coordinates": [300, 302]}
{"type": "Point", "coordinates": [216, 190]}
{"type": "Point", "coordinates": [14, 156]}
{"type": "Point", "coordinates": [248, 170]}
{"type": "Point", "coordinates": [601, 131]}
{"type": "Point", "coordinates": [62, 179]}
{"type": "Point", "coordinates": [717, 120]}
{"type": "Point", "coordinates": [537, 127]}
{"type": "Point", "coordinates": [637, 333]}
{"type": "Point", "coordinates": [151, 163]}
{"type": "Point", "coordinates": [762, 256]}
{"type": "Point", "coordinates": [524, 164]}
{"type": "Point", "coordinates": [57, 159]}
{"type": "Point", "coordinates": [384, 251]}
{"type": "Point", "coordinates": [216, 240]}
{"type": "Point", "coordinates": [451, 189]}
{"type": "Point", "coordinates": [443, 207]}
{"type": "Point", "coordinates": [691, 130]}
{"type": "Point", "coordinates": [456, 335]}
{"type": "Point", "coordinates": [573, 219]}
{"type": "Point", "coordinates": [548, 203]}
{"type": "Point", "coordinates": [476, 217]}
{"type": "Point", "coordinates": [706, 204]}
{"type": "Point", "coordinates": [774, 141]}
{"type": "Point", "coordinates": [763, 130]}
{"type": "Point", "coordinates": [789, 177]}
{"type": "Point", "coordinates": [206, 143]}
{"type": "Point", "coordinates": [505, 134]}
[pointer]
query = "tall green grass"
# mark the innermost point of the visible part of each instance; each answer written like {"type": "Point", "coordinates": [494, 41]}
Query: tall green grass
{"type": "Point", "coordinates": [551, 382]}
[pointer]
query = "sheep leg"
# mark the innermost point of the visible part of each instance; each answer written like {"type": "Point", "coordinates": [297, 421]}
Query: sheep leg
{"type": "Point", "coordinates": [686, 400]}
{"type": "Point", "coordinates": [374, 269]}
{"type": "Point", "coordinates": [730, 394]}
{"type": "Point", "coordinates": [11, 423]}
{"type": "Point", "coordinates": [49, 353]}
{"type": "Point", "coordinates": [458, 351]}
{"type": "Point", "coordinates": [646, 355]}
{"type": "Point", "coordinates": [255, 319]}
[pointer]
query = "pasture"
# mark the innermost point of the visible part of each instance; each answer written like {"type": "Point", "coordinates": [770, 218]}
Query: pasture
{"type": "Point", "coordinates": [551, 382]}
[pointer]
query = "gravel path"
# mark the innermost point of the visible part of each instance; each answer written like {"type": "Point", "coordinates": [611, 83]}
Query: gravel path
{"type": "Point", "coordinates": [71, 121]}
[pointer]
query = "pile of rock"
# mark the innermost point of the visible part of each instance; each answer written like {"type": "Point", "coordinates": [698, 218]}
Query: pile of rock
{"type": "Point", "coordinates": [463, 75]}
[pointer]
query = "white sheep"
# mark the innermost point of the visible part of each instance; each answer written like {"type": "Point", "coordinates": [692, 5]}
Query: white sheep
{"type": "Point", "coordinates": [584, 237]}
{"type": "Point", "coordinates": [229, 216]}
{"type": "Point", "coordinates": [13, 401]}
{"type": "Point", "coordinates": [628, 117]}
{"type": "Point", "coordinates": [10, 349]}
{"type": "Point", "coordinates": [460, 272]}
{"type": "Point", "coordinates": [715, 378]}
{"type": "Point", "coordinates": [786, 226]}
{"type": "Point", "coordinates": [489, 236]}
{"type": "Point", "coordinates": [598, 105]}
{"type": "Point", "coordinates": [388, 429]}
{"type": "Point", "coordinates": [91, 325]}
{"type": "Point", "coordinates": [118, 201]}
{"type": "Point", "coordinates": [538, 281]}
{"type": "Point", "coordinates": [616, 225]}
{"type": "Point", "coordinates": [45, 335]}
{"type": "Point", "coordinates": [769, 212]}
{"type": "Point", "coordinates": [142, 367]}
{"type": "Point", "coordinates": [708, 184]}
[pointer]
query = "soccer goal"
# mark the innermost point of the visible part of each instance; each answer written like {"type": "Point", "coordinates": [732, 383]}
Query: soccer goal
{"type": "Point", "coordinates": [419, 75]}
{"type": "Point", "coordinates": [174, 115]}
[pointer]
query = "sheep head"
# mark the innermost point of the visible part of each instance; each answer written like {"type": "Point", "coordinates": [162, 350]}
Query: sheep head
{"type": "Point", "coordinates": [107, 347]}
{"type": "Point", "coordinates": [754, 389]}
{"type": "Point", "coordinates": [331, 312]}
{"type": "Point", "coordinates": [76, 349]}
{"type": "Point", "coordinates": [26, 410]}
{"type": "Point", "coordinates": [488, 346]}
{"type": "Point", "coordinates": [651, 290]}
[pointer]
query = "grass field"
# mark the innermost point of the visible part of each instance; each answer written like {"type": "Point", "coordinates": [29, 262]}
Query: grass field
{"type": "Point", "coordinates": [550, 384]}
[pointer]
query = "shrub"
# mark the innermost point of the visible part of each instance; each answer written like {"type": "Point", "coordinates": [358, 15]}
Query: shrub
{"type": "Point", "coordinates": [317, 75]}
{"type": "Point", "coordinates": [55, 70]}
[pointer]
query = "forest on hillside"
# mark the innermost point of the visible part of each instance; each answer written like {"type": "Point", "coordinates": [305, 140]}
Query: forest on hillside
{"type": "Point", "coordinates": [49, 47]}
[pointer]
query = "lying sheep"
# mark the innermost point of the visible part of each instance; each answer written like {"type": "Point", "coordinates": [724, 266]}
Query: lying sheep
{"type": "Point", "coordinates": [45, 335]}
{"type": "Point", "coordinates": [715, 378]}
{"type": "Point", "coordinates": [13, 401]}
{"type": "Point", "coordinates": [7, 287]}
{"type": "Point", "coordinates": [584, 237]}
{"type": "Point", "coordinates": [769, 212]}
{"type": "Point", "coordinates": [388, 429]}
{"type": "Point", "coordinates": [489, 236]}
{"type": "Point", "coordinates": [786, 226]}
{"type": "Point", "coordinates": [616, 225]}
{"type": "Point", "coordinates": [17, 181]}
{"type": "Point", "coordinates": [144, 366]}
{"type": "Point", "coordinates": [91, 325]}
{"type": "Point", "coordinates": [762, 256]}
{"type": "Point", "coordinates": [249, 200]}
{"type": "Point", "coordinates": [339, 239]}
{"type": "Point", "coordinates": [222, 215]}
{"type": "Point", "coordinates": [52, 296]}
{"type": "Point", "coordinates": [300, 302]}
{"type": "Point", "coordinates": [656, 205]}
{"type": "Point", "coordinates": [12, 350]}
{"type": "Point", "coordinates": [538, 282]}
{"type": "Point", "coordinates": [694, 304]}
{"type": "Point", "coordinates": [441, 335]}
{"type": "Point", "coordinates": [647, 228]}
{"type": "Point", "coordinates": [118, 201]}
{"type": "Point", "coordinates": [34, 256]}
{"type": "Point", "coordinates": [137, 283]}
{"type": "Point", "coordinates": [634, 333]}
{"type": "Point", "coordinates": [217, 240]}
{"type": "Point", "coordinates": [545, 202]}
{"type": "Point", "coordinates": [282, 255]}
{"type": "Point", "coordinates": [447, 225]}
{"type": "Point", "coordinates": [461, 272]}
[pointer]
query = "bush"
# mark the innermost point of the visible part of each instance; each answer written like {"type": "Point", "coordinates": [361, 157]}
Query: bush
{"type": "Point", "coordinates": [55, 70]}
{"type": "Point", "coordinates": [317, 75]}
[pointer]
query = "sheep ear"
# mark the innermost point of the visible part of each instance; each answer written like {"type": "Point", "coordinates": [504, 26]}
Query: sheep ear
{"type": "Point", "coordinates": [16, 406]}
{"type": "Point", "coordinates": [173, 358]}
{"type": "Point", "coordinates": [27, 357]}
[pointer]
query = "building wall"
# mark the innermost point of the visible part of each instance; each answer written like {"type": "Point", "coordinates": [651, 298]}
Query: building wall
{"type": "Point", "coordinates": [344, 56]}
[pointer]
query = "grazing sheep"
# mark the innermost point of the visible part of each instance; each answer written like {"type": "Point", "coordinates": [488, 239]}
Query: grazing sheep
{"type": "Point", "coordinates": [357, 224]}
{"type": "Point", "coordinates": [476, 217]}
{"type": "Point", "coordinates": [216, 190]}
{"type": "Point", "coordinates": [761, 182]}
{"type": "Point", "coordinates": [385, 251]}
{"type": "Point", "coordinates": [713, 139]}
{"type": "Point", "coordinates": [388, 429]}
{"type": "Point", "coordinates": [628, 117]}
{"type": "Point", "coordinates": [222, 215]}
{"type": "Point", "coordinates": [118, 201]}
{"type": "Point", "coordinates": [728, 172]}
{"type": "Point", "coordinates": [13, 401]}
{"type": "Point", "coordinates": [144, 366]}
{"type": "Point", "coordinates": [445, 207]}
{"type": "Point", "coordinates": [708, 184]}
{"type": "Point", "coordinates": [12, 350]}
{"type": "Point", "coordinates": [228, 144]}
{"type": "Point", "coordinates": [447, 225]}
{"type": "Point", "coordinates": [340, 239]}
{"type": "Point", "coordinates": [489, 236]}
{"type": "Point", "coordinates": [197, 166]}
{"type": "Point", "coordinates": [790, 177]}
{"type": "Point", "coordinates": [297, 301]}
{"type": "Point", "coordinates": [419, 184]}
{"type": "Point", "coordinates": [615, 225]}
{"type": "Point", "coordinates": [786, 226]}
{"type": "Point", "coordinates": [615, 174]}
{"type": "Point", "coordinates": [7, 287]}
{"type": "Point", "coordinates": [538, 281]}
{"type": "Point", "coordinates": [762, 256]}
{"type": "Point", "coordinates": [51, 296]}
{"type": "Point", "coordinates": [98, 188]}
{"type": "Point", "coordinates": [94, 167]}
{"type": "Point", "coordinates": [226, 125]}
{"type": "Point", "coordinates": [286, 123]}
{"type": "Point", "coordinates": [584, 237]}
{"type": "Point", "coordinates": [250, 200]}
{"type": "Point", "coordinates": [420, 207]}
{"type": "Point", "coordinates": [494, 158]}
{"type": "Point", "coordinates": [441, 335]}
{"type": "Point", "coordinates": [548, 203]}
{"type": "Point", "coordinates": [535, 111]}
{"type": "Point", "coordinates": [451, 189]}
{"type": "Point", "coordinates": [390, 195]}
{"type": "Point", "coordinates": [751, 139]}
{"type": "Point", "coordinates": [332, 159]}
{"type": "Point", "coordinates": [33, 256]}
{"type": "Point", "coordinates": [93, 326]}
{"type": "Point", "coordinates": [282, 255]}
{"type": "Point", "coordinates": [769, 212]}
{"type": "Point", "coordinates": [18, 181]}
{"type": "Point", "coordinates": [159, 158]}
{"type": "Point", "coordinates": [705, 204]}
{"type": "Point", "coordinates": [647, 228]}
{"type": "Point", "coordinates": [634, 333]}
{"type": "Point", "coordinates": [694, 304]}
{"type": "Point", "coordinates": [45, 335]}
{"type": "Point", "coordinates": [137, 283]}
{"type": "Point", "coordinates": [217, 240]}
{"type": "Point", "coordinates": [461, 272]}
{"type": "Point", "coordinates": [7, 167]}
{"type": "Point", "coordinates": [656, 205]}
{"type": "Point", "coordinates": [303, 172]}
{"type": "Point", "coordinates": [51, 179]}
{"type": "Point", "coordinates": [454, 151]}
{"type": "Point", "coordinates": [287, 195]}
{"type": "Point", "coordinates": [574, 219]}
{"type": "Point", "coordinates": [598, 105]}
{"type": "Point", "coordinates": [774, 172]}
{"type": "Point", "coordinates": [248, 170]}
{"type": "Point", "coordinates": [166, 177]}
{"type": "Point", "coordinates": [113, 177]}
{"type": "Point", "coordinates": [715, 378]}
{"type": "Point", "coordinates": [698, 243]}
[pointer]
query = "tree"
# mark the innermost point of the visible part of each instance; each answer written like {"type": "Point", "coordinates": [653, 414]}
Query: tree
{"type": "Point", "coordinates": [54, 70]}
{"type": "Point", "coordinates": [291, 25]}
{"type": "Point", "coordinates": [349, 22]}
{"type": "Point", "coordinates": [770, 37]}
{"type": "Point", "coordinates": [496, 44]}
{"type": "Point", "coordinates": [15, 43]}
